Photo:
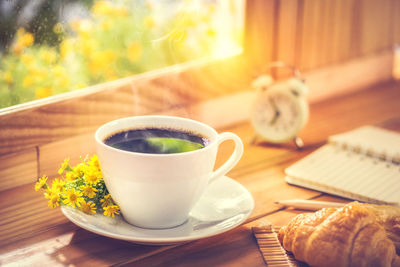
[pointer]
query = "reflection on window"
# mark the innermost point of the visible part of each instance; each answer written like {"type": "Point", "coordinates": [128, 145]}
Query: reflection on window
{"type": "Point", "coordinates": [54, 46]}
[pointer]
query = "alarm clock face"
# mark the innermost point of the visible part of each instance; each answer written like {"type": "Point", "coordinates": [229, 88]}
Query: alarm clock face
{"type": "Point", "coordinates": [279, 114]}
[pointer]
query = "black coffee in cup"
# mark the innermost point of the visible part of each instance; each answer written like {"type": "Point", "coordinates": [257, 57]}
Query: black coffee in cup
{"type": "Point", "coordinates": [156, 140]}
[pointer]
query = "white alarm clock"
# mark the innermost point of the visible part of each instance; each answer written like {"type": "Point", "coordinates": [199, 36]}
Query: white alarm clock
{"type": "Point", "coordinates": [281, 109]}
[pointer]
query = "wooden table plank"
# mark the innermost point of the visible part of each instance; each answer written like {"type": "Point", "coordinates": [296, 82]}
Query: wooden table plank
{"type": "Point", "coordinates": [234, 248]}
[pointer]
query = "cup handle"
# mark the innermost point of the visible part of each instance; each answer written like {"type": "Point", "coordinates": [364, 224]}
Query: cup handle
{"type": "Point", "coordinates": [233, 159]}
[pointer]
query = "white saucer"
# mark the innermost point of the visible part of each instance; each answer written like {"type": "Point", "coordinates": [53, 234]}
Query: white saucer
{"type": "Point", "coordinates": [225, 205]}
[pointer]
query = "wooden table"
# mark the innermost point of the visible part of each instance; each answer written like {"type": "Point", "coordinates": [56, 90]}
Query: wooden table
{"type": "Point", "coordinates": [33, 235]}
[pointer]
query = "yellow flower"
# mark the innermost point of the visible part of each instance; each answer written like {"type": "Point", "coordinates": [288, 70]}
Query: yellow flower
{"type": "Point", "coordinates": [110, 211]}
{"type": "Point", "coordinates": [49, 192]}
{"type": "Point", "coordinates": [54, 199]}
{"type": "Point", "coordinates": [106, 201]}
{"type": "Point", "coordinates": [64, 166]}
{"type": "Point", "coordinates": [89, 191]}
{"type": "Point", "coordinates": [94, 161]}
{"type": "Point", "coordinates": [101, 60]}
{"type": "Point", "coordinates": [73, 198]}
{"type": "Point", "coordinates": [134, 51]}
{"type": "Point", "coordinates": [58, 185]}
{"type": "Point", "coordinates": [101, 8]}
{"type": "Point", "coordinates": [79, 169]}
{"type": "Point", "coordinates": [28, 81]}
{"type": "Point", "coordinates": [27, 39]}
{"type": "Point", "coordinates": [41, 183]}
{"type": "Point", "coordinates": [149, 22]}
{"type": "Point", "coordinates": [104, 8]}
{"type": "Point", "coordinates": [92, 176]}
{"type": "Point", "coordinates": [70, 176]}
{"type": "Point", "coordinates": [42, 92]}
{"type": "Point", "coordinates": [23, 40]}
{"type": "Point", "coordinates": [8, 78]}
{"type": "Point", "coordinates": [88, 207]}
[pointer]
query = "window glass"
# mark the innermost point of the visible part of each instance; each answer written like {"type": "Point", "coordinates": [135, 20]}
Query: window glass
{"type": "Point", "coordinates": [49, 47]}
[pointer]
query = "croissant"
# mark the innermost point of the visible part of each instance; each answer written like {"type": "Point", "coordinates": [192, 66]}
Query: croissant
{"type": "Point", "coordinates": [356, 235]}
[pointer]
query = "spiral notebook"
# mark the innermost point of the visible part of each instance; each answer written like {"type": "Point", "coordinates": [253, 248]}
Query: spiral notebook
{"type": "Point", "coordinates": [362, 164]}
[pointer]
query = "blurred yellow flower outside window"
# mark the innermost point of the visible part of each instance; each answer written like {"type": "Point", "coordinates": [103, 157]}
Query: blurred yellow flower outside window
{"type": "Point", "coordinates": [53, 47]}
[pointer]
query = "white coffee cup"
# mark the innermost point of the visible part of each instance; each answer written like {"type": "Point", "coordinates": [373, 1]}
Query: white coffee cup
{"type": "Point", "coordinates": [159, 190]}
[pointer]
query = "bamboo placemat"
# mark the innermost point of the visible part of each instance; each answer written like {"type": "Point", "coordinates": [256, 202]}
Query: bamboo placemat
{"type": "Point", "coordinates": [270, 247]}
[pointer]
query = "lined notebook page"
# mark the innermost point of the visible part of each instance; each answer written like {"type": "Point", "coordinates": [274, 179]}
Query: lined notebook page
{"type": "Point", "coordinates": [361, 174]}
